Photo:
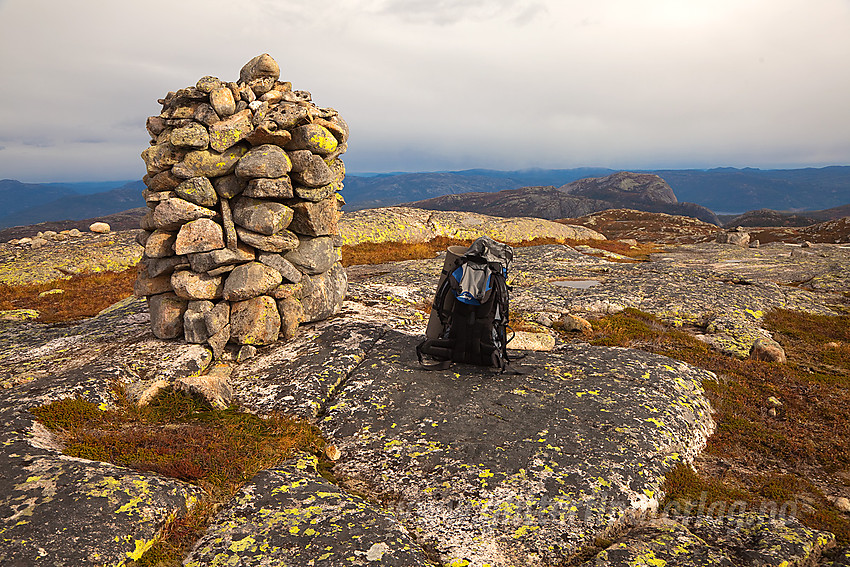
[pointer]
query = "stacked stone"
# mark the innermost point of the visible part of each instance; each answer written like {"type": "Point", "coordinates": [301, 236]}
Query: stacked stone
{"type": "Point", "coordinates": [242, 185]}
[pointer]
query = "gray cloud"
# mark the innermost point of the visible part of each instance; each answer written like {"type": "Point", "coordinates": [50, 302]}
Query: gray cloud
{"type": "Point", "coordinates": [446, 12]}
{"type": "Point", "coordinates": [445, 85]}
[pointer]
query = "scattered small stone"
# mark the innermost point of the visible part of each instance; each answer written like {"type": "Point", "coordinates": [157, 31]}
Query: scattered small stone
{"type": "Point", "coordinates": [37, 242]}
{"type": "Point", "coordinates": [247, 352]}
{"type": "Point", "coordinates": [524, 340]}
{"type": "Point", "coordinates": [54, 291]}
{"type": "Point", "coordinates": [774, 402]}
{"type": "Point", "coordinates": [843, 504]}
{"type": "Point", "coordinates": [333, 452]}
{"type": "Point", "coordinates": [75, 233]}
{"type": "Point", "coordinates": [570, 322]}
{"type": "Point", "coordinates": [767, 350]}
{"type": "Point", "coordinates": [99, 227]}
{"type": "Point", "coordinates": [806, 244]}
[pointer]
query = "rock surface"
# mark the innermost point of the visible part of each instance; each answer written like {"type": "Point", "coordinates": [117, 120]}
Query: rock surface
{"type": "Point", "coordinates": [470, 466]}
{"type": "Point", "coordinates": [409, 225]}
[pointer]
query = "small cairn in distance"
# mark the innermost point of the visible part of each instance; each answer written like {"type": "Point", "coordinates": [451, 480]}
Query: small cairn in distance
{"type": "Point", "coordinates": [242, 183]}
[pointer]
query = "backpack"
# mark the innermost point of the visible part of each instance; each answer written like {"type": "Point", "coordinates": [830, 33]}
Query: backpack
{"type": "Point", "coordinates": [472, 306]}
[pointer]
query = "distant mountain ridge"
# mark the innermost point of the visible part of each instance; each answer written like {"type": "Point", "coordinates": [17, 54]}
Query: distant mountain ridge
{"type": "Point", "coordinates": [723, 189]}
{"type": "Point", "coordinates": [71, 206]}
{"type": "Point", "coordinates": [622, 190]}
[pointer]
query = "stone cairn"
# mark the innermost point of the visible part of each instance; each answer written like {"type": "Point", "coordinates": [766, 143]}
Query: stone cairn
{"type": "Point", "coordinates": [242, 184]}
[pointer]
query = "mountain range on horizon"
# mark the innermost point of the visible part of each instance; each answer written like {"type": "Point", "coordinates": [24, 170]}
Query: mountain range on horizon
{"type": "Point", "coordinates": [721, 190]}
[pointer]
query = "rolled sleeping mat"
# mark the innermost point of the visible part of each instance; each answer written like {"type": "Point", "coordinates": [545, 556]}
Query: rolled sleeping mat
{"type": "Point", "coordinates": [432, 331]}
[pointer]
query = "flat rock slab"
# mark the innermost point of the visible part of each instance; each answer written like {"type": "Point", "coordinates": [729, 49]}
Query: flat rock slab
{"type": "Point", "coordinates": [516, 469]}
{"type": "Point", "coordinates": [291, 516]}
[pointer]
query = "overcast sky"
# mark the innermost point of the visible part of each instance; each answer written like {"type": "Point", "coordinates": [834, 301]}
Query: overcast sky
{"type": "Point", "coordinates": [436, 84]}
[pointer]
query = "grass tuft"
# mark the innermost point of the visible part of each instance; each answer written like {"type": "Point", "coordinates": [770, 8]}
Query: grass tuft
{"type": "Point", "coordinates": [380, 253]}
{"type": "Point", "coordinates": [83, 295]}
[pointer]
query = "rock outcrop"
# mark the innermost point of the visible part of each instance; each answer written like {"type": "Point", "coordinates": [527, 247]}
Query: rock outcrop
{"type": "Point", "coordinates": [460, 467]}
{"type": "Point", "coordinates": [411, 225]}
{"type": "Point", "coordinates": [242, 185]}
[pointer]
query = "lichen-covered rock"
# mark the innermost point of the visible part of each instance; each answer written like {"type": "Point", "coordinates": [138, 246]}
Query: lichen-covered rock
{"type": "Point", "coordinates": [250, 280]}
{"type": "Point", "coordinates": [314, 255]}
{"type": "Point", "coordinates": [265, 217]}
{"type": "Point", "coordinates": [228, 186]}
{"type": "Point", "coordinates": [280, 188]}
{"type": "Point", "coordinates": [207, 261]}
{"type": "Point", "coordinates": [192, 135]}
{"type": "Point", "coordinates": [194, 324]}
{"type": "Point", "coordinates": [291, 315]}
{"type": "Point", "coordinates": [749, 539]}
{"type": "Point", "coordinates": [279, 242]}
{"type": "Point", "coordinates": [264, 161]}
{"type": "Point", "coordinates": [197, 236]}
{"type": "Point", "coordinates": [160, 244]}
{"type": "Point", "coordinates": [230, 131]}
{"type": "Point", "coordinates": [518, 470]}
{"type": "Point", "coordinates": [316, 219]}
{"type": "Point", "coordinates": [192, 285]}
{"type": "Point", "coordinates": [313, 137]}
{"type": "Point", "coordinates": [322, 294]}
{"type": "Point", "coordinates": [287, 270]}
{"type": "Point", "coordinates": [316, 173]}
{"type": "Point", "coordinates": [208, 163]}
{"type": "Point", "coordinates": [255, 321]}
{"type": "Point", "coordinates": [259, 67]}
{"type": "Point", "coordinates": [289, 515]}
{"type": "Point", "coordinates": [171, 214]}
{"type": "Point", "coordinates": [166, 311]}
{"type": "Point", "coordinates": [407, 225]}
{"type": "Point", "coordinates": [197, 190]}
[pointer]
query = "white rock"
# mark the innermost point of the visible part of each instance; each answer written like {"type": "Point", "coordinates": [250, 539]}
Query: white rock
{"type": "Point", "coordinates": [100, 227]}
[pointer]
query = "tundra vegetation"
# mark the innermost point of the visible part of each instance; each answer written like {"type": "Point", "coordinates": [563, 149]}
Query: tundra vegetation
{"type": "Point", "coordinates": [791, 454]}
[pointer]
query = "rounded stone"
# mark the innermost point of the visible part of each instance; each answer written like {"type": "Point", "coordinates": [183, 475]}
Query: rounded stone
{"type": "Point", "coordinates": [251, 280]}
{"type": "Point", "coordinates": [260, 66]}
{"type": "Point", "coordinates": [222, 101]}
{"type": "Point", "coordinates": [313, 137]}
{"type": "Point", "coordinates": [166, 311]}
{"type": "Point", "coordinates": [160, 244]}
{"type": "Point", "coordinates": [190, 285]}
{"type": "Point", "coordinates": [255, 321]}
{"type": "Point", "coordinates": [265, 217]}
{"type": "Point", "coordinates": [316, 174]}
{"type": "Point", "coordinates": [198, 190]}
{"type": "Point", "coordinates": [264, 161]}
{"type": "Point", "coordinates": [313, 255]}
{"type": "Point", "coordinates": [193, 135]}
{"type": "Point", "coordinates": [100, 227]}
{"type": "Point", "coordinates": [200, 235]}
{"type": "Point", "coordinates": [208, 84]}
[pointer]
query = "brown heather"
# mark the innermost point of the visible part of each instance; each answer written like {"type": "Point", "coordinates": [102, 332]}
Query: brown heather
{"type": "Point", "coordinates": [753, 456]}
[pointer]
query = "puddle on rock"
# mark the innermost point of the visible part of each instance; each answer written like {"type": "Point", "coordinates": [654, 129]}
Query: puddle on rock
{"type": "Point", "coordinates": [577, 284]}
